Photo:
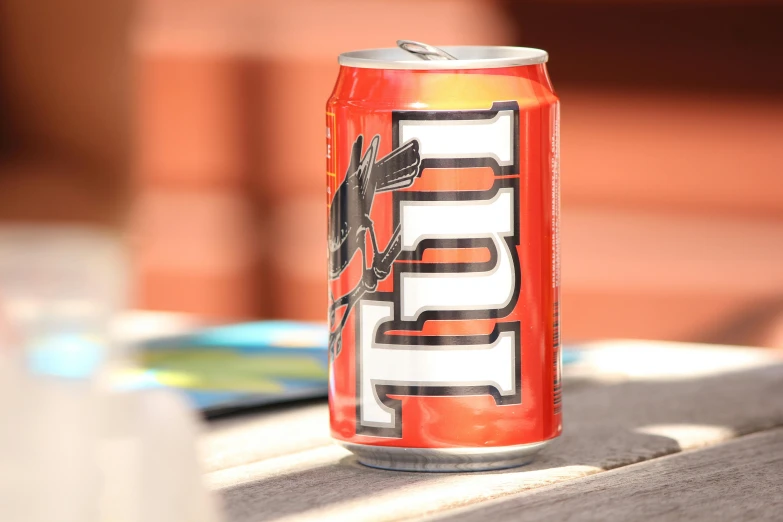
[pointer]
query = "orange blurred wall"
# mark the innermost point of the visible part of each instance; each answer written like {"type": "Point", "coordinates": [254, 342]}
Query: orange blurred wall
{"type": "Point", "coordinates": [197, 127]}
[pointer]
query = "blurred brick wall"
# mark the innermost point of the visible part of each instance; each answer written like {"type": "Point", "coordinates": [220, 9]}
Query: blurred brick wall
{"type": "Point", "coordinates": [672, 165]}
{"type": "Point", "coordinates": [672, 120]}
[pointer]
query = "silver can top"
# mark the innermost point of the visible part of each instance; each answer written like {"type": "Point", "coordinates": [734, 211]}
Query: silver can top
{"type": "Point", "coordinates": [454, 57]}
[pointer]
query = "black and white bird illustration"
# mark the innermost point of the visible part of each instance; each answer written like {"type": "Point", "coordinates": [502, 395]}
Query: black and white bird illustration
{"type": "Point", "coordinates": [350, 221]}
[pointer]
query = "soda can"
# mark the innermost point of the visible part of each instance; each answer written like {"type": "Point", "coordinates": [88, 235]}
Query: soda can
{"type": "Point", "coordinates": [444, 275]}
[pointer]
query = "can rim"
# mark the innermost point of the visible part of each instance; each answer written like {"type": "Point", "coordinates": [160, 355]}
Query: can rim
{"type": "Point", "coordinates": [468, 57]}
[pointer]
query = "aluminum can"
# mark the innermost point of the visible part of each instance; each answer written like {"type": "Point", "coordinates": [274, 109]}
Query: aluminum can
{"type": "Point", "coordinates": [443, 252]}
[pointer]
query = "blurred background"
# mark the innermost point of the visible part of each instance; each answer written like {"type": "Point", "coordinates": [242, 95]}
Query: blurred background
{"type": "Point", "coordinates": [194, 131]}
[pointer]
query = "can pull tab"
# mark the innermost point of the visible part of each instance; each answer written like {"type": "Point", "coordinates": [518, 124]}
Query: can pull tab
{"type": "Point", "coordinates": [424, 51]}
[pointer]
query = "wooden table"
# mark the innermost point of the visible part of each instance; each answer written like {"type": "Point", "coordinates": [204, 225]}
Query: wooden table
{"type": "Point", "coordinates": [653, 431]}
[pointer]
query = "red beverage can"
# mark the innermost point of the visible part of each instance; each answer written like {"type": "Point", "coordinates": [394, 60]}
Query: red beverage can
{"type": "Point", "coordinates": [444, 277]}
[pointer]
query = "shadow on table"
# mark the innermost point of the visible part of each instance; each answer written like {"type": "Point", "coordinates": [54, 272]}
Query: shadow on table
{"type": "Point", "coordinates": [234, 414]}
{"type": "Point", "coordinates": [606, 426]}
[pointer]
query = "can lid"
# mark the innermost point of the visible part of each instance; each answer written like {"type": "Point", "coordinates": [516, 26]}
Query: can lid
{"type": "Point", "coordinates": [464, 57]}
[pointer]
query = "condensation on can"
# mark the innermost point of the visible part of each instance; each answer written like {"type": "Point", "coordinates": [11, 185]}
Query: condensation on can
{"type": "Point", "coordinates": [443, 211]}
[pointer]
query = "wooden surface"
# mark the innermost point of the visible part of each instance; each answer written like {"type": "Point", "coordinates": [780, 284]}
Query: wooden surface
{"type": "Point", "coordinates": [738, 480]}
{"type": "Point", "coordinates": [638, 409]}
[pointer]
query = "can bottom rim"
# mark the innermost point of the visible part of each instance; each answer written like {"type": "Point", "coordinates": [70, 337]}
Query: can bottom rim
{"type": "Point", "coordinates": [444, 459]}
